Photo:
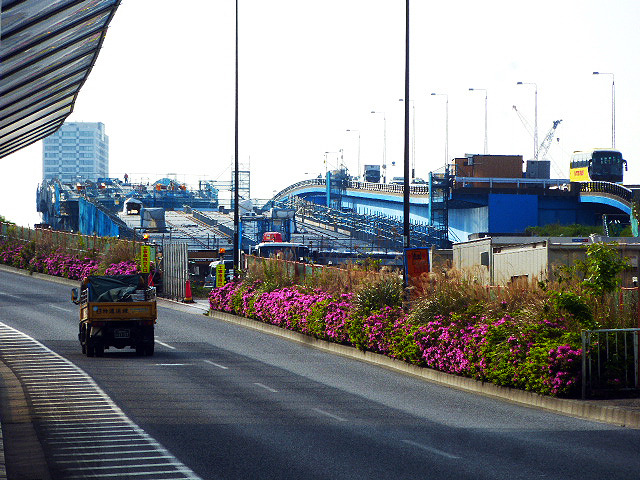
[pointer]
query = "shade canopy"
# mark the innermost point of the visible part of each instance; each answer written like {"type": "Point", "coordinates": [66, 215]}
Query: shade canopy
{"type": "Point", "coordinates": [47, 49]}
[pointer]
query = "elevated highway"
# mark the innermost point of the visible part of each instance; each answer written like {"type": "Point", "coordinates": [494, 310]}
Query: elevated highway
{"type": "Point", "coordinates": [464, 205]}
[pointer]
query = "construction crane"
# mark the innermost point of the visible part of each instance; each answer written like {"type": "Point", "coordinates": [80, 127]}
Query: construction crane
{"type": "Point", "coordinates": [546, 143]}
{"type": "Point", "coordinates": [543, 148]}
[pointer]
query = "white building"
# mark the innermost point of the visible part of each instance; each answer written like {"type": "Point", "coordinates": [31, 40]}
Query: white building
{"type": "Point", "coordinates": [78, 151]}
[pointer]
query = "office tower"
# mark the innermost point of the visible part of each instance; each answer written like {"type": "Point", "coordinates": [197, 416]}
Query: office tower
{"type": "Point", "coordinates": [78, 151]}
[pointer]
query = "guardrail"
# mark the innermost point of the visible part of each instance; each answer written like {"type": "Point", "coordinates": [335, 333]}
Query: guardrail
{"type": "Point", "coordinates": [607, 187]}
{"type": "Point", "coordinates": [373, 187]}
{"type": "Point", "coordinates": [519, 182]}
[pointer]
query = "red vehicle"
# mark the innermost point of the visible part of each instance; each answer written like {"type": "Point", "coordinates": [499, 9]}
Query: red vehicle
{"type": "Point", "coordinates": [272, 237]}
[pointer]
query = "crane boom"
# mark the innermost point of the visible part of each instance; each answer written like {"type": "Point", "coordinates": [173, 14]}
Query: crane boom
{"type": "Point", "coordinates": [546, 143]}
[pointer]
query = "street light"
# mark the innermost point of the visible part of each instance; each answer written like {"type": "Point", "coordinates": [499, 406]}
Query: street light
{"type": "Point", "coordinates": [535, 124]}
{"type": "Point", "coordinates": [358, 131]}
{"type": "Point", "coordinates": [613, 107]}
{"type": "Point", "coordinates": [413, 138]}
{"type": "Point", "coordinates": [446, 135]}
{"type": "Point", "coordinates": [486, 141]}
{"type": "Point", "coordinates": [384, 149]}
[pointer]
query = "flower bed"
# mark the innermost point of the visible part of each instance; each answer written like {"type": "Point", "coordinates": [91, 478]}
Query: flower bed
{"type": "Point", "coordinates": [58, 263]}
{"type": "Point", "coordinates": [540, 357]}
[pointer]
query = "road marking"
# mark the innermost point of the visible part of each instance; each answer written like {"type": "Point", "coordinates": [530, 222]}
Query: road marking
{"type": "Point", "coordinates": [330, 415]}
{"type": "Point", "coordinates": [9, 295]}
{"type": "Point", "coordinates": [83, 439]}
{"type": "Point", "coordinates": [165, 345]}
{"type": "Point", "coordinates": [265, 387]}
{"type": "Point", "coordinates": [68, 310]}
{"type": "Point", "coordinates": [430, 449]}
{"type": "Point", "coordinates": [216, 365]}
{"type": "Point", "coordinates": [173, 364]}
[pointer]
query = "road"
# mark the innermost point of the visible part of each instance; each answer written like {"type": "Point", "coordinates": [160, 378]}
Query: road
{"type": "Point", "coordinates": [228, 402]}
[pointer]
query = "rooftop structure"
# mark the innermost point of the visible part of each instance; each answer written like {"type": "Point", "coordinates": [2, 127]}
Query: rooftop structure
{"type": "Point", "coordinates": [47, 50]}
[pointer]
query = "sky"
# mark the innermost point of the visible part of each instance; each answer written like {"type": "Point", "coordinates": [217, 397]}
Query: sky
{"type": "Point", "coordinates": [163, 85]}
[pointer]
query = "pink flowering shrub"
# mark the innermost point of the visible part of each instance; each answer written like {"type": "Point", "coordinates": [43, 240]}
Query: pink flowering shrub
{"type": "Point", "coordinates": [540, 357]}
{"type": "Point", "coordinates": [57, 263]}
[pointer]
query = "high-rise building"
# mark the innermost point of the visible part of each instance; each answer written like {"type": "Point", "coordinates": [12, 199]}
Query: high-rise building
{"type": "Point", "coordinates": [78, 151]}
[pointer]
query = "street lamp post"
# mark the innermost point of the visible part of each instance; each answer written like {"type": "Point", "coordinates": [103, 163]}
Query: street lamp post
{"type": "Point", "coordinates": [237, 241]}
{"type": "Point", "coordinates": [384, 148]}
{"type": "Point", "coordinates": [613, 106]}
{"type": "Point", "coordinates": [535, 122]}
{"type": "Point", "coordinates": [413, 138]}
{"type": "Point", "coordinates": [486, 140]}
{"type": "Point", "coordinates": [446, 132]}
{"type": "Point", "coordinates": [358, 132]}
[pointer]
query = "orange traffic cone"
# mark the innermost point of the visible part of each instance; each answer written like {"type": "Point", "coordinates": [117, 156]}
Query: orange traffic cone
{"type": "Point", "coordinates": [187, 296]}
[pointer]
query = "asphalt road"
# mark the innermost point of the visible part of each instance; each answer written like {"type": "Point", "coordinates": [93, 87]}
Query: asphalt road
{"type": "Point", "coordinates": [230, 403]}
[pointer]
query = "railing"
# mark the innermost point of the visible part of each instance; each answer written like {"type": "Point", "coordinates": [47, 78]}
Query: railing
{"type": "Point", "coordinates": [610, 361]}
{"type": "Point", "coordinates": [519, 182]}
{"type": "Point", "coordinates": [607, 187]}
{"type": "Point", "coordinates": [74, 242]}
{"type": "Point", "coordinates": [373, 187]}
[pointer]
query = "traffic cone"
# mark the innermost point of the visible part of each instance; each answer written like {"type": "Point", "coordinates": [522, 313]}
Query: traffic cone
{"type": "Point", "coordinates": [187, 296]}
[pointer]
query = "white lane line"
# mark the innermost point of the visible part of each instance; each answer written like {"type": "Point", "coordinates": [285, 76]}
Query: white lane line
{"type": "Point", "coordinates": [165, 345]}
{"type": "Point", "coordinates": [68, 310]}
{"type": "Point", "coordinates": [330, 415]}
{"type": "Point", "coordinates": [216, 365]}
{"type": "Point", "coordinates": [265, 387]}
{"type": "Point", "coordinates": [9, 295]}
{"type": "Point", "coordinates": [430, 449]}
{"type": "Point", "coordinates": [173, 364]}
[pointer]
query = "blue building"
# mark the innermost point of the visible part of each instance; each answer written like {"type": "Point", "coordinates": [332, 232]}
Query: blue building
{"type": "Point", "coordinates": [78, 151]}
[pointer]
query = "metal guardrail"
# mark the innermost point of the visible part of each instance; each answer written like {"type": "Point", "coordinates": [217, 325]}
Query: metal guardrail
{"type": "Point", "coordinates": [524, 182]}
{"type": "Point", "coordinates": [610, 360]}
{"type": "Point", "coordinates": [373, 187]}
{"type": "Point", "coordinates": [607, 187]}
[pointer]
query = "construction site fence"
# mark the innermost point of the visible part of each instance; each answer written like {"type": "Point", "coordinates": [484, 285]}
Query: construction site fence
{"type": "Point", "coordinates": [70, 242]}
{"type": "Point", "coordinates": [300, 271]}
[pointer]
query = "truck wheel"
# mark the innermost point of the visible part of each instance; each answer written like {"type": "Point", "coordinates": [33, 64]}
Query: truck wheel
{"type": "Point", "coordinates": [90, 348]}
{"type": "Point", "coordinates": [149, 350]}
{"type": "Point", "coordinates": [83, 339]}
{"type": "Point", "coordinates": [140, 350]}
{"type": "Point", "coordinates": [99, 349]}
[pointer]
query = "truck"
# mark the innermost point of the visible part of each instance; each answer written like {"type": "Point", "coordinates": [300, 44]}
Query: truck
{"type": "Point", "coordinates": [372, 173]}
{"type": "Point", "coordinates": [116, 311]}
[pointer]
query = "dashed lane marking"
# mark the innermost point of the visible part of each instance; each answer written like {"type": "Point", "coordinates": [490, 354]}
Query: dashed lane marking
{"type": "Point", "coordinates": [84, 433]}
{"type": "Point", "coordinates": [269, 389]}
{"type": "Point", "coordinates": [216, 365]}
{"type": "Point", "coordinates": [430, 449]}
{"type": "Point", "coordinates": [330, 415]}
{"type": "Point", "coordinates": [165, 344]}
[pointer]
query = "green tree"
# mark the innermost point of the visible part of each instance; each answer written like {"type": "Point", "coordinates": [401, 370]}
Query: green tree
{"type": "Point", "coordinates": [602, 268]}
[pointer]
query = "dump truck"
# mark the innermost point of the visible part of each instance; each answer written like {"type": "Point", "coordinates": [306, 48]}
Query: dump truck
{"type": "Point", "coordinates": [116, 311]}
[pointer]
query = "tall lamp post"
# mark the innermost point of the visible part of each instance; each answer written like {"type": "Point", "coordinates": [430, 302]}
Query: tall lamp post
{"type": "Point", "coordinates": [446, 131]}
{"type": "Point", "coordinates": [413, 138]}
{"type": "Point", "coordinates": [358, 132]}
{"type": "Point", "coordinates": [384, 147]}
{"type": "Point", "coordinates": [613, 106]}
{"type": "Point", "coordinates": [486, 139]}
{"type": "Point", "coordinates": [535, 122]}
{"type": "Point", "coordinates": [236, 195]}
{"type": "Point", "coordinates": [405, 197]}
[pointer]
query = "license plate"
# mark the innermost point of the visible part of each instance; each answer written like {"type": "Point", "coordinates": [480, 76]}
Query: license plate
{"type": "Point", "coordinates": [121, 333]}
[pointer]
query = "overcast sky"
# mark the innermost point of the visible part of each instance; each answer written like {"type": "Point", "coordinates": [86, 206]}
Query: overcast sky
{"type": "Point", "coordinates": [163, 85]}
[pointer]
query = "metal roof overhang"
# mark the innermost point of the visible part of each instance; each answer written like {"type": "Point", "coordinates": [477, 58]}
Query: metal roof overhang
{"type": "Point", "coordinates": [47, 49]}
